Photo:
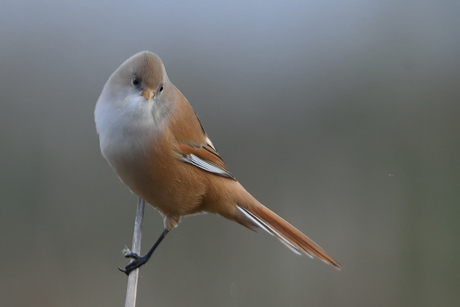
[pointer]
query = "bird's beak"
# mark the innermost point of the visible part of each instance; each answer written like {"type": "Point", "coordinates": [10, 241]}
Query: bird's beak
{"type": "Point", "coordinates": [148, 93]}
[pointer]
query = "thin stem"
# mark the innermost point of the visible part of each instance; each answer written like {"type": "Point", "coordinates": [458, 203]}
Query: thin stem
{"type": "Point", "coordinates": [131, 291]}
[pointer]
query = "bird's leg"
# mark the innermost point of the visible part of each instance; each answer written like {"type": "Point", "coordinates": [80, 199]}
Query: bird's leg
{"type": "Point", "coordinates": [141, 260]}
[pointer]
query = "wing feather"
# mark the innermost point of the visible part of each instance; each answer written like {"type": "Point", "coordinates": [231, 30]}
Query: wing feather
{"type": "Point", "coordinates": [205, 158]}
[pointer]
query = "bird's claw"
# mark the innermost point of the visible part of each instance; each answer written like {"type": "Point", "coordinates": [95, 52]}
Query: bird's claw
{"type": "Point", "coordinates": [132, 255]}
{"type": "Point", "coordinates": [136, 263]}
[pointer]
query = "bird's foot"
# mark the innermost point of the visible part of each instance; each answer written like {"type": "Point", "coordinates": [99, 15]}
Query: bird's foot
{"type": "Point", "coordinates": [136, 263]}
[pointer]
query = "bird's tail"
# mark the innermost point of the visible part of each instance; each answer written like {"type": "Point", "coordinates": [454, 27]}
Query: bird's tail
{"type": "Point", "coordinates": [253, 214]}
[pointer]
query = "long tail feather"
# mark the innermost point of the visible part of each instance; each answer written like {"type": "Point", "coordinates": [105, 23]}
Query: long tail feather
{"type": "Point", "coordinates": [269, 221]}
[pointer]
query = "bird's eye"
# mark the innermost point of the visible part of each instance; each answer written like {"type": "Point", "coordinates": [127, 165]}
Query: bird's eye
{"type": "Point", "coordinates": [136, 81]}
{"type": "Point", "coordinates": [161, 88]}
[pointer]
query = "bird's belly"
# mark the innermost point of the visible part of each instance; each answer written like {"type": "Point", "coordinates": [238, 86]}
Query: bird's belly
{"type": "Point", "coordinates": [161, 180]}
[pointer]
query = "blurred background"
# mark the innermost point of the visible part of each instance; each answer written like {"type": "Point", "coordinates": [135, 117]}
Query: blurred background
{"type": "Point", "coordinates": [341, 117]}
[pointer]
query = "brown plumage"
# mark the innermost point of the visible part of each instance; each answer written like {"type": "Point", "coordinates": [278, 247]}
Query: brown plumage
{"type": "Point", "coordinates": [152, 138]}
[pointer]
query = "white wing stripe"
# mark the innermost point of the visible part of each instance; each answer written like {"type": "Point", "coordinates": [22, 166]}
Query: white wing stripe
{"type": "Point", "coordinates": [206, 165]}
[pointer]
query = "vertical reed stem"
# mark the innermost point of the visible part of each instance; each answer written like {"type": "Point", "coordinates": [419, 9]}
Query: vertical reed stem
{"type": "Point", "coordinates": [131, 291]}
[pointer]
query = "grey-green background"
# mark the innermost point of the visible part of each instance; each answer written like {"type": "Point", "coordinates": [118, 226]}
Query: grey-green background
{"type": "Point", "coordinates": [343, 117]}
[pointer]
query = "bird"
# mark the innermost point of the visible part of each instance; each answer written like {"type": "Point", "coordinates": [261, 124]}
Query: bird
{"type": "Point", "coordinates": [156, 144]}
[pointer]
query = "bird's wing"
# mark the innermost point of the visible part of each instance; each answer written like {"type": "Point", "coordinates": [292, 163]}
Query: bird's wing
{"type": "Point", "coordinates": [193, 145]}
{"type": "Point", "coordinates": [206, 158]}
